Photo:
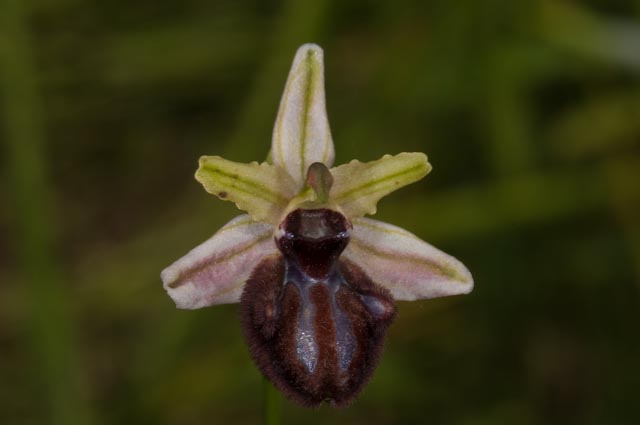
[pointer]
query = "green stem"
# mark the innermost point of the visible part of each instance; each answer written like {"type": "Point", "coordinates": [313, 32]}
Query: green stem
{"type": "Point", "coordinates": [57, 394]}
{"type": "Point", "coordinates": [272, 404]}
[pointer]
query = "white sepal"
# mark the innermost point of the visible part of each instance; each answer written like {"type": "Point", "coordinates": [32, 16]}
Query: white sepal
{"type": "Point", "coordinates": [301, 135]}
{"type": "Point", "coordinates": [405, 264]}
{"type": "Point", "coordinates": [216, 271]}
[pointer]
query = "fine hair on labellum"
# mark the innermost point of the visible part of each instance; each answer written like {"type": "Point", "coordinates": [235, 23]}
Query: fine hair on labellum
{"type": "Point", "coordinates": [314, 322]}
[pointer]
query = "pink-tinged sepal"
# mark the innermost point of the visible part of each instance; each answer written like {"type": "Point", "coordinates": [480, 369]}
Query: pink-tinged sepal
{"type": "Point", "coordinates": [216, 271]}
{"type": "Point", "coordinates": [403, 263]}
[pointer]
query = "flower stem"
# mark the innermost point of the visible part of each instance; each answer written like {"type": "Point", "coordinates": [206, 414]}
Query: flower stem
{"type": "Point", "coordinates": [272, 404]}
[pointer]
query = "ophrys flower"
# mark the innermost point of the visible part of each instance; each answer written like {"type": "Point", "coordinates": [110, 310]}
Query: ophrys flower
{"type": "Point", "coordinates": [315, 279]}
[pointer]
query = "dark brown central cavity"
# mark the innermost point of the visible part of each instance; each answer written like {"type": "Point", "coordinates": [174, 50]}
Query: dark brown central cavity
{"type": "Point", "coordinates": [315, 323]}
{"type": "Point", "coordinates": [312, 240]}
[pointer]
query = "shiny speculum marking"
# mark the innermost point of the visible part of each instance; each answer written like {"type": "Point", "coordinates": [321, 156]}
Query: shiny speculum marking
{"type": "Point", "coordinates": [315, 323]}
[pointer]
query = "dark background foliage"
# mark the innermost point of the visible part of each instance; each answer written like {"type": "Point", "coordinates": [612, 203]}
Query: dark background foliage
{"type": "Point", "coordinates": [529, 112]}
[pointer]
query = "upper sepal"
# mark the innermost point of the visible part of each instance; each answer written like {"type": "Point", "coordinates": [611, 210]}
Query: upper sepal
{"type": "Point", "coordinates": [403, 263]}
{"type": "Point", "coordinates": [215, 271]}
{"type": "Point", "coordinates": [301, 135]}
{"type": "Point", "coordinates": [357, 186]}
{"type": "Point", "coordinates": [262, 190]}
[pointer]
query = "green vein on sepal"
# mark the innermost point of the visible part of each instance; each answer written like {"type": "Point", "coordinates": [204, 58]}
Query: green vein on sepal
{"type": "Point", "coordinates": [262, 190]}
{"type": "Point", "coordinates": [359, 186]}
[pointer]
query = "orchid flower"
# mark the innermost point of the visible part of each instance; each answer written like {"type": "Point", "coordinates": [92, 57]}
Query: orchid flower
{"type": "Point", "coordinates": [316, 280]}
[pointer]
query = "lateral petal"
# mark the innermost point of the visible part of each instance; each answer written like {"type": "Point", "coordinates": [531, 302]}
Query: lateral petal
{"type": "Point", "coordinates": [301, 135]}
{"type": "Point", "coordinates": [262, 190]}
{"type": "Point", "coordinates": [215, 271]}
{"type": "Point", "coordinates": [357, 186]}
{"type": "Point", "coordinates": [405, 264]}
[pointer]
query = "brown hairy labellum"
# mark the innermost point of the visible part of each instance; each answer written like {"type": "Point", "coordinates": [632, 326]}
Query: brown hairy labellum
{"type": "Point", "coordinates": [315, 323]}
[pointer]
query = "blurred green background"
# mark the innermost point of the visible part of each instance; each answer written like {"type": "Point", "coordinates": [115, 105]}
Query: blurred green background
{"type": "Point", "coordinates": [529, 112]}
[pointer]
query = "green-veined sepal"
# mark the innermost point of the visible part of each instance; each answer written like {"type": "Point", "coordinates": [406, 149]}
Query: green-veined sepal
{"type": "Point", "coordinates": [301, 135]}
{"type": "Point", "coordinates": [262, 190]}
{"type": "Point", "coordinates": [403, 263]}
{"type": "Point", "coordinates": [216, 271]}
{"type": "Point", "coordinates": [358, 186]}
